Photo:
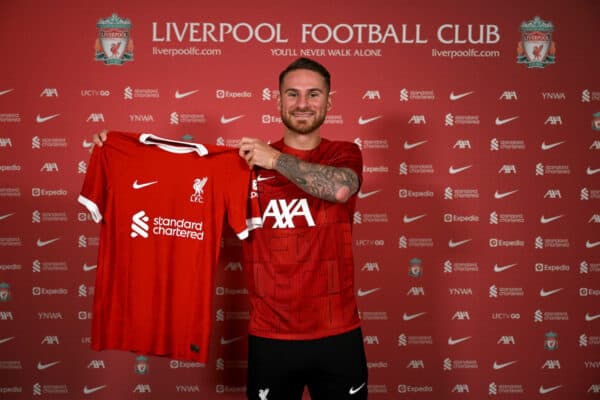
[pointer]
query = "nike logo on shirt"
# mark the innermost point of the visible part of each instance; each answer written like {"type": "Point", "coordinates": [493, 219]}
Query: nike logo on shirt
{"type": "Point", "coordinates": [353, 391]}
{"type": "Point", "coordinates": [261, 178]}
{"type": "Point", "coordinates": [364, 121]}
{"type": "Point", "coordinates": [505, 120]}
{"type": "Point", "coordinates": [184, 94]}
{"type": "Point", "coordinates": [454, 97]}
{"type": "Point", "coordinates": [137, 185]}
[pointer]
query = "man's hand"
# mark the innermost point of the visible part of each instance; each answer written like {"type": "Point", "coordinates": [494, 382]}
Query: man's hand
{"type": "Point", "coordinates": [258, 153]}
{"type": "Point", "coordinates": [100, 138]}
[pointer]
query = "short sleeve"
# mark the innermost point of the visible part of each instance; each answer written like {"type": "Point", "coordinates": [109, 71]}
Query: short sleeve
{"type": "Point", "coordinates": [242, 200]}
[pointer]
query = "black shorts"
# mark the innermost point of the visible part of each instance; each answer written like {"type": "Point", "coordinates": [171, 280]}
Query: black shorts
{"type": "Point", "coordinates": [332, 368]}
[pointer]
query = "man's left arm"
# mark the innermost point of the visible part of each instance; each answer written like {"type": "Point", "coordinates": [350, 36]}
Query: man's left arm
{"type": "Point", "coordinates": [322, 181]}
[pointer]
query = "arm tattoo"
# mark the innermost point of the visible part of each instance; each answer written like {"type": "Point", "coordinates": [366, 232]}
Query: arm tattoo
{"type": "Point", "coordinates": [318, 180]}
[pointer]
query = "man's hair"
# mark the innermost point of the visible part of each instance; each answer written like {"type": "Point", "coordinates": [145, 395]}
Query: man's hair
{"type": "Point", "coordinates": [307, 63]}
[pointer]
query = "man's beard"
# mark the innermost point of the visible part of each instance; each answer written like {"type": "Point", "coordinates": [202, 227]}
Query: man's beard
{"type": "Point", "coordinates": [302, 128]}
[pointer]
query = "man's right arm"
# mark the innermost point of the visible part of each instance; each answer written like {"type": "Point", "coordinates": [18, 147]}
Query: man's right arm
{"type": "Point", "coordinates": [100, 138]}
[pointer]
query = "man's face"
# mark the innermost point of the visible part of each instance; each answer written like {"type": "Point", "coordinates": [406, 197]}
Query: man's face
{"type": "Point", "coordinates": [303, 101]}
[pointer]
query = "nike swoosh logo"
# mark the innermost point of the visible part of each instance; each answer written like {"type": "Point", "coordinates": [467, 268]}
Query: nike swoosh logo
{"type": "Point", "coordinates": [264, 178]}
{"type": "Point", "coordinates": [453, 244]}
{"type": "Point", "coordinates": [87, 390]}
{"type": "Point", "coordinates": [497, 268]}
{"type": "Point", "coordinates": [6, 339]}
{"type": "Point", "coordinates": [590, 171]}
{"type": "Point", "coordinates": [5, 216]}
{"type": "Point", "coordinates": [87, 145]}
{"type": "Point", "coordinates": [543, 293]}
{"type": "Point", "coordinates": [353, 391]}
{"type": "Point", "coordinates": [408, 220]}
{"type": "Point", "coordinates": [543, 390]}
{"type": "Point", "coordinates": [364, 121]}
{"type": "Point", "coordinates": [505, 121]}
{"type": "Point", "coordinates": [2, 93]}
{"type": "Point", "coordinates": [362, 195]}
{"type": "Point", "coordinates": [137, 185]}
{"type": "Point", "coordinates": [551, 145]}
{"type": "Point", "coordinates": [452, 342]}
{"type": "Point", "coordinates": [225, 121]}
{"type": "Point", "coordinates": [42, 367]}
{"type": "Point", "coordinates": [454, 97]}
{"type": "Point", "coordinates": [408, 317]}
{"type": "Point", "coordinates": [41, 119]}
{"type": "Point", "coordinates": [184, 94]}
{"type": "Point", "coordinates": [589, 317]}
{"type": "Point", "coordinates": [362, 293]}
{"type": "Point", "coordinates": [453, 170]}
{"type": "Point", "coordinates": [545, 220]}
{"type": "Point", "coordinates": [503, 365]}
{"type": "Point", "coordinates": [41, 243]}
{"type": "Point", "coordinates": [591, 245]}
{"type": "Point", "coordinates": [408, 146]}
{"type": "Point", "coordinates": [88, 268]}
{"type": "Point", "coordinates": [229, 341]}
{"type": "Point", "coordinates": [498, 195]}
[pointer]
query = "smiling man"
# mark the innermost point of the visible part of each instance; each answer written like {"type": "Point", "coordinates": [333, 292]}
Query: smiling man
{"type": "Point", "coordinates": [304, 324]}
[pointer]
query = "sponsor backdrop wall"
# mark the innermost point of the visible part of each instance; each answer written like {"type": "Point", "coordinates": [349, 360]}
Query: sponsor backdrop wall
{"type": "Point", "coordinates": [476, 231]}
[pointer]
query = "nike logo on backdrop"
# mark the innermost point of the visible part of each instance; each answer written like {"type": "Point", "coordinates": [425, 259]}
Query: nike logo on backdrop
{"type": "Point", "coordinates": [408, 317]}
{"type": "Point", "coordinates": [42, 367]}
{"type": "Point", "coordinates": [87, 390]}
{"type": "Point", "coordinates": [452, 342]}
{"type": "Point", "coordinates": [550, 146]}
{"type": "Point", "coordinates": [453, 244]}
{"type": "Point", "coordinates": [408, 220]}
{"type": "Point", "coordinates": [454, 97]}
{"type": "Point", "coordinates": [229, 341]}
{"type": "Point", "coordinates": [453, 170]}
{"type": "Point", "coordinates": [88, 268]}
{"type": "Point", "coordinates": [545, 220]}
{"type": "Point", "coordinates": [505, 121]}
{"type": "Point", "coordinates": [6, 339]}
{"type": "Point", "coordinates": [5, 216]}
{"type": "Point", "coordinates": [498, 195]}
{"type": "Point", "coordinates": [226, 121]}
{"type": "Point", "coordinates": [543, 293]}
{"type": "Point", "coordinates": [41, 119]}
{"type": "Point", "coordinates": [408, 146]}
{"type": "Point", "coordinates": [590, 171]}
{"type": "Point", "coordinates": [2, 93]}
{"type": "Point", "coordinates": [362, 195]}
{"type": "Point", "coordinates": [362, 293]}
{"type": "Point", "coordinates": [353, 391]}
{"type": "Point", "coordinates": [503, 365]}
{"type": "Point", "coordinates": [184, 94]}
{"type": "Point", "coordinates": [503, 268]}
{"type": "Point", "coordinates": [41, 243]}
{"type": "Point", "coordinates": [137, 185]}
{"type": "Point", "coordinates": [591, 245]}
{"type": "Point", "coordinates": [364, 121]}
{"type": "Point", "coordinates": [544, 390]}
{"type": "Point", "coordinates": [87, 145]}
{"type": "Point", "coordinates": [589, 317]}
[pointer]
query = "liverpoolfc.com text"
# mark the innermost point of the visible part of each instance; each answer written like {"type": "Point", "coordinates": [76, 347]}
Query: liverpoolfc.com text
{"type": "Point", "coordinates": [468, 53]}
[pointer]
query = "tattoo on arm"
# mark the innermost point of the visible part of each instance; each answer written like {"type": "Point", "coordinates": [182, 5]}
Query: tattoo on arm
{"type": "Point", "coordinates": [322, 181]}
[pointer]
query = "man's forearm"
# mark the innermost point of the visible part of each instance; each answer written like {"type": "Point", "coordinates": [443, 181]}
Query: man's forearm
{"type": "Point", "coordinates": [322, 181]}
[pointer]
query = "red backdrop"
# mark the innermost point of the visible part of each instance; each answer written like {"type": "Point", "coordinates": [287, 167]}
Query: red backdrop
{"type": "Point", "coordinates": [476, 235]}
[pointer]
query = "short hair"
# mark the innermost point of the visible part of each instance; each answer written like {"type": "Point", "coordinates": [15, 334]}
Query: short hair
{"type": "Point", "coordinates": [307, 63]}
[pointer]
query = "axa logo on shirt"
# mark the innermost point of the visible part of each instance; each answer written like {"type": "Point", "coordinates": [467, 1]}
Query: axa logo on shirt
{"type": "Point", "coordinates": [284, 212]}
{"type": "Point", "coordinates": [162, 226]}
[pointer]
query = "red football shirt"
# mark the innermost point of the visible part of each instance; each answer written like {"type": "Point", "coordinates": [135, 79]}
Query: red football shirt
{"type": "Point", "coordinates": [162, 204]}
{"type": "Point", "coordinates": [300, 266]}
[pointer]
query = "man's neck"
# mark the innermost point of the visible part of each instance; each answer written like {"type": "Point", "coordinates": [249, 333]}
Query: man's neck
{"type": "Point", "coordinates": [299, 141]}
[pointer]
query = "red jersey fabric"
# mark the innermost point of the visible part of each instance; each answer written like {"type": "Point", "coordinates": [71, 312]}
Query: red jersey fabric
{"type": "Point", "coordinates": [300, 266]}
{"type": "Point", "coordinates": [162, 204]}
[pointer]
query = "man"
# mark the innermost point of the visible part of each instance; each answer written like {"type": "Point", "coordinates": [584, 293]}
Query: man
{"type": "Point", "coordinates": [304, 326]}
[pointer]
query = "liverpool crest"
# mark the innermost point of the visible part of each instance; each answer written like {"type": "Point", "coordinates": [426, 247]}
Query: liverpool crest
{"type": "Point", "coordinates": [4, 292]}
{"type": "Point", "coordinates": [114, 45]}
{"type": "Point", "coordinates": [551, 341]}
{"type": "Point", "coordinates": [536, 48]}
